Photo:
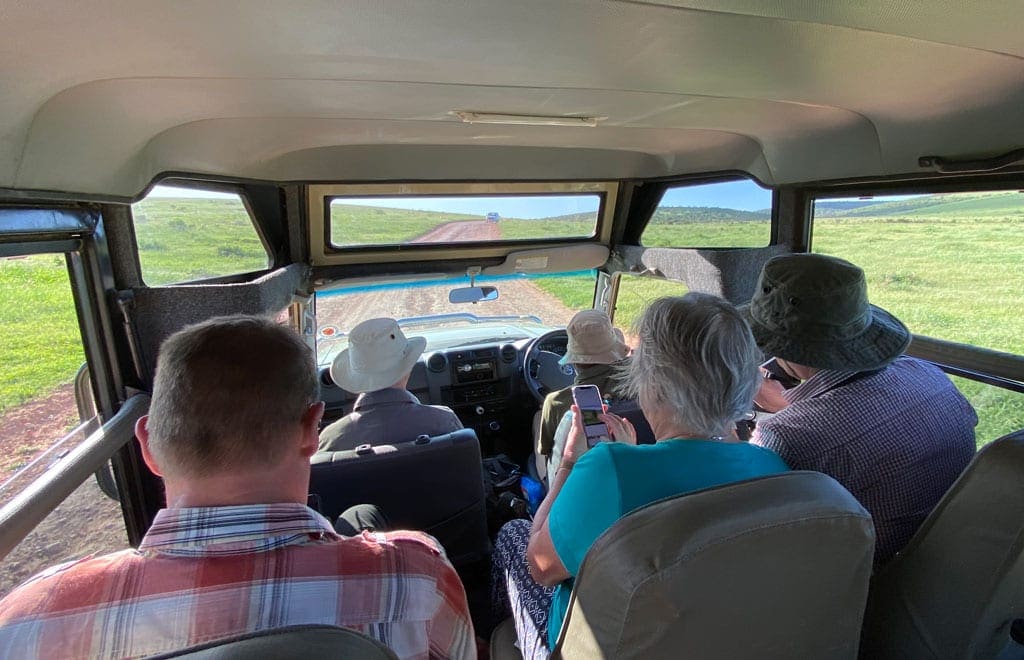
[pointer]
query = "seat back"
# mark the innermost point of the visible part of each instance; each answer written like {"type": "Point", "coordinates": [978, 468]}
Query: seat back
{"type": "Point", "coordinates": [289, 643]}
{"type": "Point", "coordinates": [775, 567]}
{"type": "Point", "coordinates": [955, 589]}
{"type": "Point", "coordinates": [434, 485]}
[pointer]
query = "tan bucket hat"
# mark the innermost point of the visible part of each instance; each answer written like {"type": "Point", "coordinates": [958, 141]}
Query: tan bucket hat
{"type": "Point", "coordinates": [378, 354]}
{"type": "Point", "coordinates": [813, 310]}
{"type": "Point", "coordinates": [593, 340]}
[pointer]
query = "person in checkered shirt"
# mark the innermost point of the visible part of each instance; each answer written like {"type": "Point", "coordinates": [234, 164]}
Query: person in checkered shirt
{"type": "Point", "coordinates": [892, 429]}
{"type": "Point", "coordinates": [232, 425]}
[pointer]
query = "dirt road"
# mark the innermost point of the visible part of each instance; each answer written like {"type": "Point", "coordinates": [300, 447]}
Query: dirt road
{"type": "Point", "coordinates": [86, 522]}
{"type": "Point", "coordinates": [463, 231]}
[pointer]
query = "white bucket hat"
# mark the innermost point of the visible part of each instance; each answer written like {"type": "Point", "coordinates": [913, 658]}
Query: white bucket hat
{"type": "Point", "coordinates": [593, 340]}
{"type": "Point", "coordinates": [378, 354]}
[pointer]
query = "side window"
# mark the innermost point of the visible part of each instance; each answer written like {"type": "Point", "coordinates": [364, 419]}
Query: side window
{"type": "Point", "coordinates": [634, 294]}
{"type": "Point", "coordinates": [185, 234]}
{"type": "Point", "coordinates": [949, 266]}
{"type": "Point", "coordinates": [725, 214]}
{"type": "Point", "coordinates": [40, 355]}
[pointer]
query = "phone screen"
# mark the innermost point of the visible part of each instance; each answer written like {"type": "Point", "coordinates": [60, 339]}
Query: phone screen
{"type": "Point", "coordinates": [588, 400]}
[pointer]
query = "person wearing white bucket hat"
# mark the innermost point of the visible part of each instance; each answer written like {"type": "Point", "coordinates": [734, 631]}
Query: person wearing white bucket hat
{"type": "Point", "coordinates": [377, 365]}
{"type": "Point", "coordinates": [890, 428]}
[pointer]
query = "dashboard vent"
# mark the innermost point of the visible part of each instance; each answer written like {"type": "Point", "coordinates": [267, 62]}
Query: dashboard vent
{"type": "Point", "coordinates": [437, 362]}
{"type": "Point", "coordinates": [509, 353]}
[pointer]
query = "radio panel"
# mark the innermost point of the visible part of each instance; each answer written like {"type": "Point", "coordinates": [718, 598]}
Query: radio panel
{"type": "Point", "coordinates": [473, 366]}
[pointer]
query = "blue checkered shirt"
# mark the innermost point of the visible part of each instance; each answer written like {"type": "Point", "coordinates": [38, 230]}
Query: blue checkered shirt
{"type": "Point", "coordinates": [896, 439]}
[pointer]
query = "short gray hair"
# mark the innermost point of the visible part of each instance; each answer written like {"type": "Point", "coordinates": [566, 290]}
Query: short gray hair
{"type": "Point", "coordinates": [697, 360]}
{"type": "Point", "coordinates": [228, 393]}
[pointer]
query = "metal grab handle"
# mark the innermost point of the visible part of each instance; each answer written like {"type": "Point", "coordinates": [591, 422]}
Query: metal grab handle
{"type": "Point", "coordinates": [23, 513]}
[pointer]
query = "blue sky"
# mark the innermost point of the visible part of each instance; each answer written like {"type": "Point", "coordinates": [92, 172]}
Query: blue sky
{"type": "Point", "coordinates": [742, 195]}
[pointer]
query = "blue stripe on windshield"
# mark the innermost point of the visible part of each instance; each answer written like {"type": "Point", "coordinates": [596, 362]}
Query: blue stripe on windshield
{"type": "Point", "coordinates": [458, 281]}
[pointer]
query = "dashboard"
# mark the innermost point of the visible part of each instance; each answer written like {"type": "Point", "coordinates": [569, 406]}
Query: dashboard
{"type": "Point", "coordinates": [483, 383]}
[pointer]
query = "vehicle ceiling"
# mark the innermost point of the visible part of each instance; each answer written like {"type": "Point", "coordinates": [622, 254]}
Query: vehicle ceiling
{"type": "Point", "coordinates": [99, 97]}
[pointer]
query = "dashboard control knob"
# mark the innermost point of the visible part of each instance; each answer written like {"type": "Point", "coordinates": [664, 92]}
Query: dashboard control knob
{"type": "Point", "coordinates": [494, 426]}
{"type": "Point", "coordinates": [480, 410]}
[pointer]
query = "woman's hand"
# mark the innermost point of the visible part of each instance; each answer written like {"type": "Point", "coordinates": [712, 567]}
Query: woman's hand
{"type": "Point", "coordinates": [576, 441]}
{"type": "Point", "coordinates": [621, 429]}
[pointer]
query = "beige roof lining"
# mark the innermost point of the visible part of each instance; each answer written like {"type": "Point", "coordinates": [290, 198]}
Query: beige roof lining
{"type": "Point", "coordinates": [99, 98]}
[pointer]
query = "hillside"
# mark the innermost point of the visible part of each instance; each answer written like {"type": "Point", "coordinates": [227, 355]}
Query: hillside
{"type": "Point", "coordinates": [1007, 203]}
{"type": "Point", "coordinates": [678, 215]}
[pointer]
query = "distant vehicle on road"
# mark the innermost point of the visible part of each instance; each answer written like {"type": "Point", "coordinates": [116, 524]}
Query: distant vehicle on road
{"type": "Point", "coordinates": [493, 217]}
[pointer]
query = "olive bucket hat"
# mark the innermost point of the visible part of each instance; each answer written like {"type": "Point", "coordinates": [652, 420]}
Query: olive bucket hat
{"type": "Point", "coordinates": [813, 310]}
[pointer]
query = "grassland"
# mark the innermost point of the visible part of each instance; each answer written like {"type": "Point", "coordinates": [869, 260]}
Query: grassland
{"type": "Point", "coordinates": [362, 225]}
{"type": "Point", "coordinates": [952, 269]}
{"type": "Point", "coordinates": [191, 239]}
{"type": "Point", "coordinates": [40, 346]}
{"type": "Point", "coordinates": [574, 226]}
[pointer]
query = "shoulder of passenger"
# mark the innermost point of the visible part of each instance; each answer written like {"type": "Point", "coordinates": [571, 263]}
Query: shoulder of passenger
{"type": "Point", "coordinates": [90, 564]}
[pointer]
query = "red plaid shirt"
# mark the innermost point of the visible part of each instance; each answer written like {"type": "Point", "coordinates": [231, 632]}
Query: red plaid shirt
{"type": "Point", "coordinates": [205, 573]}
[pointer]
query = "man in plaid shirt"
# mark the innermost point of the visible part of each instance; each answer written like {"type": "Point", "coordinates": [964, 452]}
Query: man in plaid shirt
{"type": "Point", "coordinates": [893, 430]}
{"type": "Point", "coordinates": [231, 428]}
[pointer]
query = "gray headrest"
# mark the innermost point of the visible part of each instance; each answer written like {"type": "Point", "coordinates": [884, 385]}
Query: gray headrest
{"type": "Point", "coordinates": [776, 567]}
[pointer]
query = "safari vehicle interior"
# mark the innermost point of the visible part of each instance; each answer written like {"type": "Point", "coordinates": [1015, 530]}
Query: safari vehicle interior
{"type": "Point", "coordinates": [480, 171]}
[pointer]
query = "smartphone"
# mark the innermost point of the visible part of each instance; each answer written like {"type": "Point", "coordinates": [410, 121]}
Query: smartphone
{"type": "Point", "coordinates": [588, 400]}
{"type": "Point", "coordinates": [773, 371]}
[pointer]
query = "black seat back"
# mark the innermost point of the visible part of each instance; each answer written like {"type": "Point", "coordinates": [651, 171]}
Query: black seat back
{"type": "Point", "coordinates": [630, 410]}
{"type": "Point", "coordinates": [434, 485]}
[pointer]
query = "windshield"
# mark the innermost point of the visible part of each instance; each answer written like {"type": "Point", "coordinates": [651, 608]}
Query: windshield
{"type": "Point", "coordinates": [527, 306]}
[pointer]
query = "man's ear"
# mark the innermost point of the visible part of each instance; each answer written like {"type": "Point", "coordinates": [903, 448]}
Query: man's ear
{"type": "Point", "coordinates": [311, 428]}
{"type": "Point", "coordinates": [142, 433]}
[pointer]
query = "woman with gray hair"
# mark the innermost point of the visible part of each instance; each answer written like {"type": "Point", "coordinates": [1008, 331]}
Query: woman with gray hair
{"type": "Point", "coordinates": [694, 373]}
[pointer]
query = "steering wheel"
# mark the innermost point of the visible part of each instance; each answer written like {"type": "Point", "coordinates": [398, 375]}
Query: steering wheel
{"type": "Point", "coordinates": [541, 370]}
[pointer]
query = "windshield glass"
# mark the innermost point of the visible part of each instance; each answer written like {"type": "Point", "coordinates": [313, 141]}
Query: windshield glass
{"type": "Point", "coordinates": [527, 306]}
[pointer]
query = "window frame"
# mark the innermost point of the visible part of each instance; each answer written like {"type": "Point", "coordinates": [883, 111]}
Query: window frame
{"type": "Point", "coordinates": [691, 184]}
{"type": "Point", "coordinates": [77, 232]}
{"type": "Point", "coordinates": [648, 197]}
{"type": "Point", "coordinates": [208, 186]}
{"type": "Point", "coordinates": [324, 253]}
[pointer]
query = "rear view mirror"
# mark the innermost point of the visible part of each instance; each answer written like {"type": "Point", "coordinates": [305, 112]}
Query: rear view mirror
{"type": "Point", "coordinates": [472, 294]}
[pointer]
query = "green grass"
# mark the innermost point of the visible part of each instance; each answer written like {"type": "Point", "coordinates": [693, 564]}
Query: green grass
{"type": "Point", "coordinates": [192, 239]}
{"type": "Point", "coordinates": [636, 292]}
{"type": "Point", "coordinates": [576, 292]}
{"type": "Point", "coordinates": [353, 225]}
{"type": "Point", "coordinates": [40, 345]}
{"type": "Point", "coordinates": [561, 227]}
{"type": "Point", "coordinates": [709, 234]}
{"type": "Point", "coordinates": [950, 278]}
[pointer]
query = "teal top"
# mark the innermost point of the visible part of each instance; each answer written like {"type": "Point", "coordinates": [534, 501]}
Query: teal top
{"type": "Point", "coordinates": [613, 479]}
